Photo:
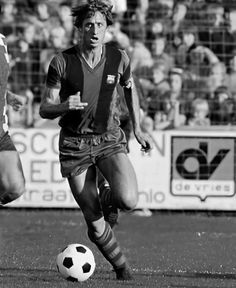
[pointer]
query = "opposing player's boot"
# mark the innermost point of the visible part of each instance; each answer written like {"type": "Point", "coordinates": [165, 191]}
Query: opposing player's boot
{"type": "Point", "coordinates": [110, 212]}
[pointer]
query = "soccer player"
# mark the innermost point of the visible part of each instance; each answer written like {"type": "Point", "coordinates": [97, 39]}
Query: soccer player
{"type": "Point", "coordinates": [81, 88]}
{"type": "Point", "coordinates": [12, 181]}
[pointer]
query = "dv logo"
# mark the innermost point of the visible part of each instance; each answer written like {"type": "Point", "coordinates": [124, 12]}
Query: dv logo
{"type": "Point", "coordinates": [205, 167]}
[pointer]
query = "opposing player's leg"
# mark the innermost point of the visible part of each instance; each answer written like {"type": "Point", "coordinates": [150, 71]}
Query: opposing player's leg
{"type": "Point", "coordinates": [84, 189]}
{"type": "Point", "coordinates": [12, 181]}
{"type": "Point", "coordinates": [120, 174]}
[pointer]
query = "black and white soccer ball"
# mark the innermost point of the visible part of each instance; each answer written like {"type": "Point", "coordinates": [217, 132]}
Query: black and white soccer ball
{"type": "Point", "coordinates": [76, 262]}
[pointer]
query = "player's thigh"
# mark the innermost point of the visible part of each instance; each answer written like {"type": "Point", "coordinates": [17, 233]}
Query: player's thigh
{"type": "Point", "coordinates": [119, 172]}
{"type": "Point", "coordinates": [11, 173]}
{"type": "Point", "coordinates": [84, 190]}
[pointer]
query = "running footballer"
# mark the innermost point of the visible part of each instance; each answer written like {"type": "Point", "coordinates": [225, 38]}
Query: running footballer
{"type": "Point", "coordinates": [81, 88]}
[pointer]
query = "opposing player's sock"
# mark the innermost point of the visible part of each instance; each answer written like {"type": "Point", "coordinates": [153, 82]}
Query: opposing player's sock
{"type": "Point", "coordinates": [111, 250]}
{"type": "Point", "coordinates": [110, 212]}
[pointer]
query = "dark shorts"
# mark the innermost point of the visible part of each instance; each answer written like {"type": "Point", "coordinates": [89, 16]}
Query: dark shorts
{"type": "Point", "coordinates": [79, 152]}
{"type": "Point", "coordinates": [6, 143]}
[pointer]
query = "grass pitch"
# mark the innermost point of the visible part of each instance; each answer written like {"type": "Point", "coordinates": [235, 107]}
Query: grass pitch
{"type": "Point", "coordinates": [166, 250]}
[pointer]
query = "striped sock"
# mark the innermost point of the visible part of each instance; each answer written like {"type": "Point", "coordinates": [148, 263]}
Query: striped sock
{"type": "Point", "coordinates": [109, 247]}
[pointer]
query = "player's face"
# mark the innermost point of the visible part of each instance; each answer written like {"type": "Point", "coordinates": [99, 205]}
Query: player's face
{"type": "Point", "coordinates": [93, 30]}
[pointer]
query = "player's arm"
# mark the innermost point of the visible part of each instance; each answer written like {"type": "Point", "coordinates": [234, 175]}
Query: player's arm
{"type": "Point", "coordinates": [132, 101]}
{"type": "Point", "coordinates": [51, 107]}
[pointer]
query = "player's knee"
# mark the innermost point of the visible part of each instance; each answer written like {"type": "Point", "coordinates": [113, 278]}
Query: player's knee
{"type": "Point", "coordinates": [17, 193]}
{"type": "Point", "coordinates": [12, 192]}
{"type": "Point", "coordinates": [129, 202]}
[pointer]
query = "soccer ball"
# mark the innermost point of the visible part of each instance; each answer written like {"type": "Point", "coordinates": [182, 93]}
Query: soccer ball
{"type": "Point", "coordinates": [76, 262]}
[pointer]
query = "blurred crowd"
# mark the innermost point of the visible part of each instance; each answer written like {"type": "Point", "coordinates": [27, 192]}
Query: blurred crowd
{"type": "Point", "coordinates": [183, 56]}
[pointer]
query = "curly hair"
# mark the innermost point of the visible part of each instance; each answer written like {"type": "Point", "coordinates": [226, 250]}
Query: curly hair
{"type": "Point", "coordinates": [88, 8]}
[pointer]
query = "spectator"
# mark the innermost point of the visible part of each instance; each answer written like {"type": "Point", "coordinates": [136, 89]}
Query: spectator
{"type": "Point", "coordinates": [223, 107]}
{"type": "Point", "coordinates": [201, 61]}
{"type": "Point", "coordinates": [216, 78]}
{"type": "Point", "coordinates": [172, 106]}
{"type": "Point", "coordinates": [44, 18]}
{"type": "Point", "coordinates": [193, 56]}
{"type": "Point", "coordinates": [157, 87]}
{"type": "Point", "coordinates": [141, 57]}
{"type": "Point", "coordinates": [117, 37]}
{"type": "Point", "coordinates": [215, 33]}
{"type": "Point", "coordinates": [232, 20]}
{"type": "Point", "coordinates": [134, 17]}
{"type": "Point", "coordinates": [159, 54]}
{"type": "Point", "coordinates": [189, 42]}
{"type": "Point", "coordinates": [8, 11]}
{"type": "Point", "coordinates": [26, 77]}
{"type": "Point", "coordinates": [134, 9]}
{"type": "Point", "coordinates": [199, 113]}
{"type": "Point", "coordinates": [160, 121]}
{"type": "Point", "coordinates": [158, 19]}
{"type": "Point", "coordinates": [147, 124]}
{"type": "Point", "coordinates": [58, 42]}
{"type": "Point", "coordinates": [200, 38]}
{"type": "Point", "coordinates": [231, 77]}
{"type": "Point", "coordinates": [178, 16]}
{"type": "Point", "coordinates": [66, 21]}
{"type": "Point", "coordinates": [119, 8]}
{"type": "Point", "coordinates": [198, 62]}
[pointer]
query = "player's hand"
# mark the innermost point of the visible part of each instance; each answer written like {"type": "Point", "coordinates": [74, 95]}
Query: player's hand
{"type": "Point", "coordinates": [144, 140]}
{"type": "Point", "coordinates": [74, 102]}
{"type": "Point", "coordinates": [16, 101]}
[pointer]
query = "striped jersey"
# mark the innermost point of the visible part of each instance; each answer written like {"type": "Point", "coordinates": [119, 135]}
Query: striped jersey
{"type": "Point", "coordinates": [69, 72]}
{"type": "Point", "coordinates": [4, 71]}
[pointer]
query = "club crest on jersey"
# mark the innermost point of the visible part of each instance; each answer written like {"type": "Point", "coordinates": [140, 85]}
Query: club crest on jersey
{"type": "Point", "coordinates": [111, 79]}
